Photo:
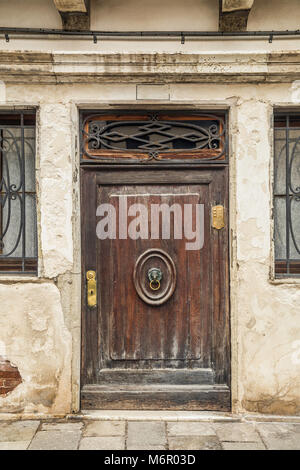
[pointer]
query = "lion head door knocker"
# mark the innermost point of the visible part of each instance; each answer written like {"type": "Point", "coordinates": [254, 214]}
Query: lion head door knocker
{"type": "Point", "coordinates": [154, 276]}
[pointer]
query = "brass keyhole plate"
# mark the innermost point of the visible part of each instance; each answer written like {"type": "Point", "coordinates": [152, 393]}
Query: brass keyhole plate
{"type": "Point", "coordinates": [91, 288]}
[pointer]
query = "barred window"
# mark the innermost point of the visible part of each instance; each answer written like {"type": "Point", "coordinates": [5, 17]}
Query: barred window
{"type": "Point", "coordinates": [18, 227]}
{"type": "Point", "coordinates": [287, 194]}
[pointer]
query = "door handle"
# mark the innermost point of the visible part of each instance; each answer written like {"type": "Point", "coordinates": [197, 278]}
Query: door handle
{"type": "Point", "coordinates": [91, 288]}
{"type": "Point", "coordinates": [218, 221]}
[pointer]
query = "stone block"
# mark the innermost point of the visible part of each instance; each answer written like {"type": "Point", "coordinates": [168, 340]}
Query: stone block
{"type": "Point", "coordinates": [104, 428]}
{"type": "Point", "coordinates": [146, 434]}
{"type": "Point", "coordinates": [102, 443]}
{"type": "Point", "coordinates": [18, 431]}
{"type": "Point", "coordinates": [194, 443]}
{"type": "Point", "coordinates": [55, 440]}
{"type": "Point", "coordinates": [237, 432]}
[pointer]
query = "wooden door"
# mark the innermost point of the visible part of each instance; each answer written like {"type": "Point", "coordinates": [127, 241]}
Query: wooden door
{"type": "Point", "coordinates": [158, 337]}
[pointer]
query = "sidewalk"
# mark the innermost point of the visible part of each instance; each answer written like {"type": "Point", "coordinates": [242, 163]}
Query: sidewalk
{"type": "Point", "coordinates": [86, 433]}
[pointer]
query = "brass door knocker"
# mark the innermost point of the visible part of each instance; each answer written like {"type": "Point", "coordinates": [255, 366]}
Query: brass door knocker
{"type": "Point", "coordinates": [154, 276]}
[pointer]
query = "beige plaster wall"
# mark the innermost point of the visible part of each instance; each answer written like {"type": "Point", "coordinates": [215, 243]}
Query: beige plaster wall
{"type": "Point", "coordinates": [142, 15]}
{"type": "Point", "coordinates": [267, 15]}
{"type": "Point", "coordinates": [198, 15]}
{"type": "Point", "coordinates": [40, 318]}
{"type": "Point", "coordinates": [29, 14]}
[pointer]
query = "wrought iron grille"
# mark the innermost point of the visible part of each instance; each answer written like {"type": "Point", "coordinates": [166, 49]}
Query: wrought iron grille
{"type": "Point", "coordinates": [287, 194]}
{"type": "Point", "coordinates": [18, 233]}
{"type": "Point", "coordinates": [153, 137]}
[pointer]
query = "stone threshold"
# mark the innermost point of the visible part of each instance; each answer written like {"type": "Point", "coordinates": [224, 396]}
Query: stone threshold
{"type": "Point", "coordinates": [147, 415]}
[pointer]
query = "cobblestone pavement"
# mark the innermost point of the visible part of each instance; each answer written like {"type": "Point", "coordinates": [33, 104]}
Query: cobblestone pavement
{"type": "Point", "coordinates": [147, 435]}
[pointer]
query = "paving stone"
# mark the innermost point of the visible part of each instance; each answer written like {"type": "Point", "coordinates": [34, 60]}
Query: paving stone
{"type": "Point", "coordinates": [280, 436]}
{"type": "Point", "coordinates": [14, 445]}
{"type": "Point", "coordinates": [147, 433]}
{"type": "Point", "coordinates": [55, 440]}
{"type": "Point", "coordinates": [18, 430]}
{"type": "Point", "coordinates": [194, 443]}
{"type": "Point", "coordinates": [190, 429]}
{"type": "Point", "coordinates": [62, 426]}
{"type": "Point", "coordinates": [102, 443]}
{"type": "Point", "coordinates": [237, 432]}
{"type": "Point", "coordinates": [104, 428]}
{"type": "Point", "coordinates": [243, 446]}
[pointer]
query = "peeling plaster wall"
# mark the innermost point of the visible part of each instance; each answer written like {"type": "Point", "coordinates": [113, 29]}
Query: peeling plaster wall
{"type": "Point", "coordinates": [55, 180]}
{"type": "Point", "coordinates": [268, 322]}
{"type": "Point", "coordinates": [40, 318]}
{"type": "Point", "coordinates": [36, 340]}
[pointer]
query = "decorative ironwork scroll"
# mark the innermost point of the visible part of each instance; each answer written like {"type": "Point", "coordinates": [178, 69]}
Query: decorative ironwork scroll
{"type": "Point", "coordinates": [287, 194]}
{"type": "Point", "coordinates": [153, 137]}
{"type": "Point", "coordinates": [18, 244]}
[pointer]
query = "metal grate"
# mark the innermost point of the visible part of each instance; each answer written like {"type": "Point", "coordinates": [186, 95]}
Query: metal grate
{"type": "Point", "coordinates": [18, 227]}
{"type": "Point", "coordinates": [153, 137]}
{"type": "Point", "coordinates": [287, 194]}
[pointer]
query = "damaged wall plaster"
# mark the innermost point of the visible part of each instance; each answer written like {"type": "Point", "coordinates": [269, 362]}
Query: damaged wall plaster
{"type": "Point", "coordinates": [10, 376]}
{"type": "Point", "coordinates": [39, 345]}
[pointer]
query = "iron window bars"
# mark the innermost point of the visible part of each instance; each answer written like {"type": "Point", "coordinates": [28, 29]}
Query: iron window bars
{"type": "Point", "coordinates": [18, 227]}
{"type": "Point", "coordinates": [287, 194]}
{"type": "Point", "coordinates": [152, 137]}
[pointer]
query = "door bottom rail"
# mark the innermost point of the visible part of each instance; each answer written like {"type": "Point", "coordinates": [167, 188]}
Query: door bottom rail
{"type": "Point", "coordinates": [156, 397]}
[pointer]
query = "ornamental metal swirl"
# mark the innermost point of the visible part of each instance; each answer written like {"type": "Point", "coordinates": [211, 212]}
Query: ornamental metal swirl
{"type": "Point", "coordinates": [154, 136]}
{"type": "Point", "coordinates": [10, 192]}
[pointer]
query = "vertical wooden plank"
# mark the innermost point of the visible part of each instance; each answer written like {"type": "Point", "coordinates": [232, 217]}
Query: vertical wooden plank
{"type": "Point", "coordinates": [90, 326]}
{"type": "Point", "coordinates": [220, 276]}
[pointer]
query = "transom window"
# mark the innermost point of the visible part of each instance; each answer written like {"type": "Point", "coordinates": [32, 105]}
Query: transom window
{"type": "Point", "coordinates": [287, 194]}
{"type": "Point", "coordinates": [18, 227]}
{"type": "Point", "coordinates": [153, 137]}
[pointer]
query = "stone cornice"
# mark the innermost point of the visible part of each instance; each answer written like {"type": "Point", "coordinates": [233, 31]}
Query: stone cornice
{"type": "Point", "coordinates": [65, 67]}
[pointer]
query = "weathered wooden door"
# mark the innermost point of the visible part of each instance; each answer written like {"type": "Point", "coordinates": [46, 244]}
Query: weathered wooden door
{"type": "Point", "coordinates": [162, 344]}
{"type": "Point", "coordinates": [155, 300]}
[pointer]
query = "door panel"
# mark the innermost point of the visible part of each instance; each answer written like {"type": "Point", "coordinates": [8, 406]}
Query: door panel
{"type": "Point", "coordinates": [138, 331]}
{"type": "Point", "coordinates": [138, 339]}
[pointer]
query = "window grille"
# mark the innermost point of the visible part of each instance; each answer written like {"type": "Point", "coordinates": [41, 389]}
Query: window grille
{"type": "Point", "coordinates": [18, 226]}
{"type": "Point", "coordinates": [287, 194]}
{"type": "Point", "coordinates": [153, 137]}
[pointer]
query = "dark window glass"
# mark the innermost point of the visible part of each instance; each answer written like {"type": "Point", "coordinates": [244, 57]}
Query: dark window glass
{"type": "Point", "coordinates": [18, 234]}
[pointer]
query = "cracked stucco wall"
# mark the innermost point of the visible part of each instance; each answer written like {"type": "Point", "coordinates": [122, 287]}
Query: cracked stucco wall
{"type": "Point", "coordinates": [40, 318]}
